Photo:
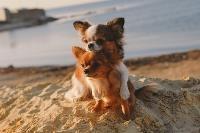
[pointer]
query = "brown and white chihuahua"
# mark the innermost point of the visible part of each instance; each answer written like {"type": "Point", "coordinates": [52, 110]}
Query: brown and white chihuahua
{"type": "Point", "coordinates": [104, 81]}
{"type": "Point", "coordinates": [106, 39]}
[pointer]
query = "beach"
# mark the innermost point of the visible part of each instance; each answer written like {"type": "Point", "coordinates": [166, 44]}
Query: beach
{"type": "Point", "coordinates": [152, 28]}
{"type": "Point", "coordinates": [162, 52]}
{"type": "Point", "coordinates": [32, 98]}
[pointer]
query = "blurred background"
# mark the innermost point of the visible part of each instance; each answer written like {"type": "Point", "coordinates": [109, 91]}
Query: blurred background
{"type": "Point", "coordinates": [152, 27]}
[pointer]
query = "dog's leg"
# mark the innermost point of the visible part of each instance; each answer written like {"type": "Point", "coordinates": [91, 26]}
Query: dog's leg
{"type": "Point", "coordinates": [132, 98]}
{"type": "Point", "coordinates": [124, 91]}
{"type": "Point", "coordinates": [78, 91]}
{"type": "Point", "coordinates": [125, 109]}
{"type": "Point", "coordinates": [98, 106]}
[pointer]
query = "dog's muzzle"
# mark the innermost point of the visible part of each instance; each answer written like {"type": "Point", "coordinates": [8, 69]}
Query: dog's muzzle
{"type": "Point", "coordinates": [86, 71]}
{"type": "Point", "coordinates": [93, 46]}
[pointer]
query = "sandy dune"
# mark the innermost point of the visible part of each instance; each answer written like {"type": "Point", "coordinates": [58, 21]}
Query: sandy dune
{"type": "Point", "coordinates": [32, 100]}
{"type": "Point", "coordinates": [169, 106]}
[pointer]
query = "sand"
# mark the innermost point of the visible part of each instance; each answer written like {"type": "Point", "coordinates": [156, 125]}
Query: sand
{"type": "Point", "coordinates": [32, 99]}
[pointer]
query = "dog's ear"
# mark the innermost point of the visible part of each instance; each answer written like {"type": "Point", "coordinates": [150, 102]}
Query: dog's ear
{"type": "Point", "coordinates": [81, 26]}
{"type": "Point", "coordinates": [117, 25]}
{"type": "Point", "coordinates": [78, 52]}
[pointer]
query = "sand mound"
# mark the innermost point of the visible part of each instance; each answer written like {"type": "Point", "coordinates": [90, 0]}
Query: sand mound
{"type": "Point", "coordinates": [162, 106]}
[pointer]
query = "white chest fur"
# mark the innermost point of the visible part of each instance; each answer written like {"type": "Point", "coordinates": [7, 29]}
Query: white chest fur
{"type": "Point", "coordinates": [124, 91]}
{"type": "Point", "coordinates": [99, 87]}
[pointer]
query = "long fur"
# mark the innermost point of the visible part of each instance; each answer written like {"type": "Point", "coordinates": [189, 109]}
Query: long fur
{"type": "Point", "coordinates": [76, 92]}
{"type": "Point", "coordinates": [112, 32]}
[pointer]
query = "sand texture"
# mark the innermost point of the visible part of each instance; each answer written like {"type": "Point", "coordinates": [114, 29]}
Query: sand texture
{"type": "Point", "coordinates": [32, 100]}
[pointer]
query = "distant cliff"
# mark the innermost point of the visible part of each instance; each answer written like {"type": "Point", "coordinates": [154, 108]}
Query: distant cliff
{"type": "Point", "coordinates": [22, 18]}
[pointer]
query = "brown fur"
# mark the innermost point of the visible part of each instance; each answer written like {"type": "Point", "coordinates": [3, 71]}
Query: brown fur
{"type": "Point", "coordinates": [111, 33]}
{"type": "Point", "coordinates": [106, 80]}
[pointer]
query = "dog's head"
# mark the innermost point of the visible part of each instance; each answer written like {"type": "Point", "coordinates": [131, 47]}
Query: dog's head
{"type": "Point", "coordinates": [93, 65]}
{"type": "Point", "coordinates": [101, 36]}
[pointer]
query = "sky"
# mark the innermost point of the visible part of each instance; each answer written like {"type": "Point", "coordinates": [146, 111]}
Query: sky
{"type": "Point", "coordinates": [46, 4]}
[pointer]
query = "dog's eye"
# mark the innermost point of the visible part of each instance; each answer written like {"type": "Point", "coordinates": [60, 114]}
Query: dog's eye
{"type": "Point", "coordinates": [84, 40]}
{"type": "Point", "coordinates": [82, 65]}
{"type": "Point", "coordinates": [96, 64]}
{"type": "Point", "coordinates": [100, 41]}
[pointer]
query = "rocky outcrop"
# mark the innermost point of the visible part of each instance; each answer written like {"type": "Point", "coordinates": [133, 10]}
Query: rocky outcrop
{"type": "Point", "coordinates": [23, 18]}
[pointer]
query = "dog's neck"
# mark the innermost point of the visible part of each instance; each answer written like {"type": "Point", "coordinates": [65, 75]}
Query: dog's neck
{"type": "Point", "coordinates": [120, 48]}
{"type": "Point", "coordinates": [115, 55]}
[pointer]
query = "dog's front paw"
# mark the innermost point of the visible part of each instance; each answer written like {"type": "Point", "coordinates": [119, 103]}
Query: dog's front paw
{"type": "Point", "coordinates": [97, 107]}
{"type": "Point", "coordinates": [93, 109]}
{"type": "Point", "coordinates": [124, 92]}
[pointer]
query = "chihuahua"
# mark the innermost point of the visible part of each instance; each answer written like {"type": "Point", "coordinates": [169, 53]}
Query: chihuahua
{"type": "Point", "coordinates": [104, 81]}
{"type": "Point", "coordinates": [106, 39]}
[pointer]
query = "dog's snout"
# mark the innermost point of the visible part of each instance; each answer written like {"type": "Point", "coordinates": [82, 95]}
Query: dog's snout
{"type": "Point", "coordinates": [86, 71]}
{"type": "Point", "coordinates": [91, 45]}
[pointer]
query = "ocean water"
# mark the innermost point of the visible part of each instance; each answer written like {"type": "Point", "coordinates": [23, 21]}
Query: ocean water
{"type": "Point", "coordinates": [152, 27]}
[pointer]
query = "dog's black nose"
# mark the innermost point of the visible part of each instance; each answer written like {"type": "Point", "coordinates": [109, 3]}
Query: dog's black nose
{"type": "Point", "coordinates": [91, 45]}
{"type": "Point", "coordinates": [86, 71]}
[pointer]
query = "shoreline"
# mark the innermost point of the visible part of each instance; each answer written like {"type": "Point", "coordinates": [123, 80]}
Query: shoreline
{"type": "Point", "coordinates": [175, 66]}
{"type": "Point", "coordinates": [138, 61]}
{"type": "Point", "coordinates": [134, 64]}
